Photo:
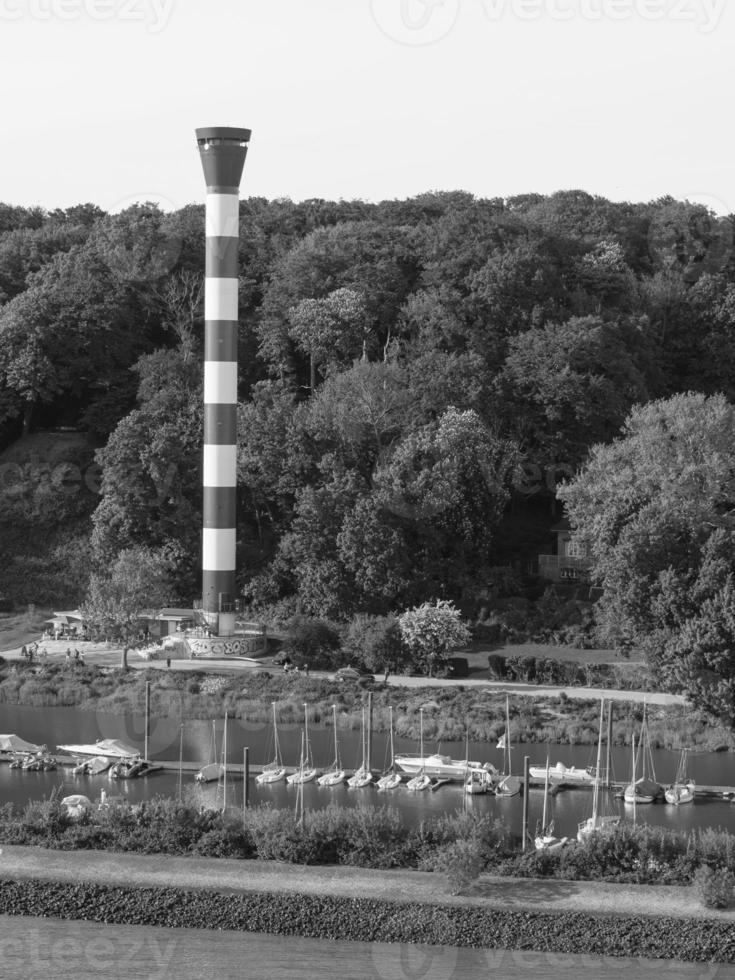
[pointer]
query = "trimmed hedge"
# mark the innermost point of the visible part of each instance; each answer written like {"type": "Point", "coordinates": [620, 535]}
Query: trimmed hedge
{"type": "Point", "coordinates": [363, 920]}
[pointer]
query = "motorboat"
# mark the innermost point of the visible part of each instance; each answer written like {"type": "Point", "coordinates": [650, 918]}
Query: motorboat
{"type": "Point", "coordinates": [13, 744]}
{"type": "Point", "coordinates": [559, 774]}
{"type": "Point", "coordinates": [111, 748]}
{"type": "Point", "coordinates": [440, 766]}
{"type": "Point", "coordinates": [478, 781]}
{"type": "Point", "coordinates": [92, 767]}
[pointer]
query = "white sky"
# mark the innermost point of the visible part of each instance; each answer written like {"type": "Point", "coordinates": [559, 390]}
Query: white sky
{"type": "Point", "coordinates": [372, 99]}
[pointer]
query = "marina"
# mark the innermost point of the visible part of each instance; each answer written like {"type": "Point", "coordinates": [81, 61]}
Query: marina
{"type": "Point", "coordinates": [177, 752]}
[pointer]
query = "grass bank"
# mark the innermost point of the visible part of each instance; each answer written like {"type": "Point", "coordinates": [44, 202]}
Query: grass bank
{"type": "Point", "coordinates": [453, 711]}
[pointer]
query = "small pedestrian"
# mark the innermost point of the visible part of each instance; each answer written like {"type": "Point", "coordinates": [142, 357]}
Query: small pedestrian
{"type": "Point", "coordinates": [306, 669]}
{"type": "Point", "coordinates": [24, 652]}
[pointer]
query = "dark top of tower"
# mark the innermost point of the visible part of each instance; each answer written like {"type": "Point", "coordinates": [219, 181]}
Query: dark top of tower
{"type": "Point", "coordinates": [222, 150]}
{"type": "Point", "coordinates": [229, 133]}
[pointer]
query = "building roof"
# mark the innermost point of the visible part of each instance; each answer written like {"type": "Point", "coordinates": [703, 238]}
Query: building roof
{"type": "Point", "coordinates": [563, 525]}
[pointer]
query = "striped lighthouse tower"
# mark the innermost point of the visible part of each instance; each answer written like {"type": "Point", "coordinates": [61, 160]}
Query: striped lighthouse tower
{"type": "Point", "coordinates": [222, 151]}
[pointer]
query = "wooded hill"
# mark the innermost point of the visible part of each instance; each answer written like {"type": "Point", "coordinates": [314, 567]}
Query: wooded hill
{"type": "Point", "coordinates": [415, 379]}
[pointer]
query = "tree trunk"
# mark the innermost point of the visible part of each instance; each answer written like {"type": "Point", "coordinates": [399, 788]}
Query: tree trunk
{"type": "Point", "coordinates": [27, 414]}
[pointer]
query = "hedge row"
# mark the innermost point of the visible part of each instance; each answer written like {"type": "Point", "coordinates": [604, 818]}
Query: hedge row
{"type": "Point", "coordinates": [326, 917]}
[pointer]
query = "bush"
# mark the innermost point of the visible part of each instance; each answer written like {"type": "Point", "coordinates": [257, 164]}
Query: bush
{"type": "Point", "coordinates": [462, 861]}
{"type": "Point", "coordinates": [714, 886]}
{"type": "Point", "coordinates": [374, 642]}
{"type": "Point", "coordinates": [316, 640]}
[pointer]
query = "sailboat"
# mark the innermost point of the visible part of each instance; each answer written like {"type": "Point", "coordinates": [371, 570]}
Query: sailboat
{"type": "Point", "coordinates": [420, 781]}
{"type": "Point", "coordinates": [598, 822]}
{"type": "Point", "coordinates": [645, 789]}
{"type": "Point", "coordinates": [682, 789]}
{"type": "Point", "coordinates": [509, 785]}
{"type": "Point", "coordinates": [212, 772]}
{"type": "Point", "coordinates": [306, 771]}
{"type": "Point", "coordinates": [391, 779]}
{"type": "Point", "coordinates": [274, 771]}
{"type": "Point", "coordinates": [363, 776]}
{"type": "Point", "coordinates": [545, 840]}
{"type": "Point", "coordinates": [336, 775]}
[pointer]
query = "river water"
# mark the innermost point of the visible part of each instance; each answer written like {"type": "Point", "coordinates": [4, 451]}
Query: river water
{"type": "Point", "coordinates": [201, 742]}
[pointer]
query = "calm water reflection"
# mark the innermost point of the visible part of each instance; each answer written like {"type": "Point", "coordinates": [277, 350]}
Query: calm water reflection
{"type": "Point", "coordinates": [59, 725]}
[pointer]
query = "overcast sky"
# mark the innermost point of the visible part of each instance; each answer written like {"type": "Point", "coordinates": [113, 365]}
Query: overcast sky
{"type": "Point", "coordinates": [631, 99]}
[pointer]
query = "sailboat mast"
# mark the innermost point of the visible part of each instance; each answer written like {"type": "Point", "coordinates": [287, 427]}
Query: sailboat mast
{"type": "Point", "coordinates": [507, 730]}
{"type": "Point", "coordinates": [392, 751]}
{"type": "Point", "coordinates": [336, 748]}
{"type": "Point", "coordinates": [546, 796]}
{"type": "Point", "coordinates": [596, 785]}
{"type": "Point", "coordinates": [224, 767]}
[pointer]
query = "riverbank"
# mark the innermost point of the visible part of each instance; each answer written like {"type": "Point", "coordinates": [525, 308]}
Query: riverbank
{"type": "Point", "coordinates": [360, 905]}
{"type": "Point", "coordinates": [452, 711]}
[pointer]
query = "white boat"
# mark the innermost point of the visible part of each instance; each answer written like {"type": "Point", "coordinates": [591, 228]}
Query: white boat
{"type": "Point", "coordinates": [597, 823]}
{"type": "Point", "coordinates": [363, 776]}
{"type": "Point", "coordinates": [559, 774]}
{"type": "Point", "coordinates": [273, 772]}
{"type": "Point", "coordinates": [478, 781]}
{"type": "Point", "coordinates": [336, 775]}
{"type": "Point", "coordinates": [111, 748]}
{"type": "Point", "coordinates": [507, 785]}
{"type": "Point", "coordinates": [440, 766]}
{"type": "Point", "coordinates": [92, 767]}
{"type": "Point", "coordinates": [646, 789]}
{"type": "Point", "coordinates": [77, 806]}
{"type": "Point", "coordinates": [211, 773]}
{"type": "Point", "coordinates": [682, 789]}
{"type": "Point", "coordinates": [422, 780]}
{"type": "Point", "coordinates": [390, 779]}
{"type": "Point", "coordinates": [545, 840]}
{"type": "Point", "coordinates": [14, 743]}
{"type": "Point", "coordinates": [306, 771]}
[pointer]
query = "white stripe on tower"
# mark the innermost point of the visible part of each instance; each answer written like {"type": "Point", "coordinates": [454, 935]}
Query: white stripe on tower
{"type": "Point", "coordinates": [222, 152]}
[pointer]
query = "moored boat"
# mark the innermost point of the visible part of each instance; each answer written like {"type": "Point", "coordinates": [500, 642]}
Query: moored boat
{"type": "Point", "coordinates": [682, 789]}
{"type": "Point", "coordinates": [559, 774]}
{"type": "Point", "coordinates": [306, 771]}
{"type": "Point", "coordinates": [275, 771]}
{"type": "Point", "coordinates": [336, 775]}
{"type": "Point", "coordinates": [598, 822]}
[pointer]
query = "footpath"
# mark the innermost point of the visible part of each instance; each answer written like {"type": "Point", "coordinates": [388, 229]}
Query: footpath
{"type": "Point", "coordinates": [233, 876]}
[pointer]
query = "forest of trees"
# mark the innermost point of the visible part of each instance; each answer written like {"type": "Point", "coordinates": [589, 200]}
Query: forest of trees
{"type": "Point", "coordinates": [416, 377]}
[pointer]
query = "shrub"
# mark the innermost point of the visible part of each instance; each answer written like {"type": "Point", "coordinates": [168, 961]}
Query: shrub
{"type": "Point", "coordinates": [374, 642]}
{"type": "Point", "coordinates": [462, 861]}
{"type": "Point", "coordinates": [315, 640]}
{"type": "Point", "coordinates": [714, 886]}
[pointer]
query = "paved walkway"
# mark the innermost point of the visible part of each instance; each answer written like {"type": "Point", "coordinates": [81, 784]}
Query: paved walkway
{"type": "Point", "coordinates": [109, 655]}
{"type": "Point", "coordinates": [145, 870]}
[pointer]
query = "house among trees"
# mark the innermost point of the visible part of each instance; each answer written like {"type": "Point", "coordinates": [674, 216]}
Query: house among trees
{"type": "Point", "coordinates": [572, 560]}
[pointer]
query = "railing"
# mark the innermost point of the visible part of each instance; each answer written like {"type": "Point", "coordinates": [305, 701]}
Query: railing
{"type": "Point", "coordinates": [561, 568]}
